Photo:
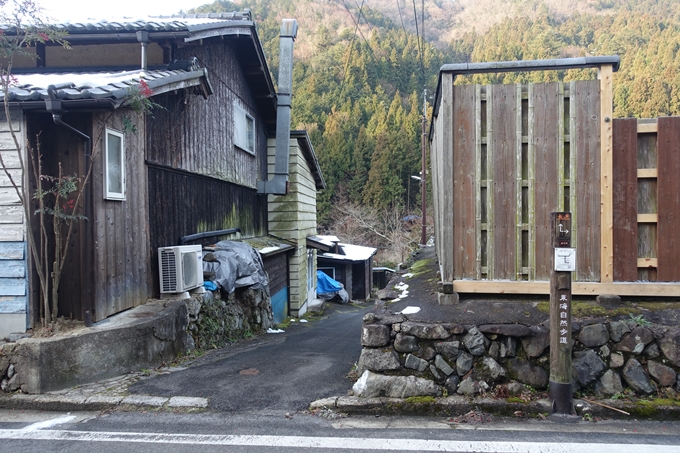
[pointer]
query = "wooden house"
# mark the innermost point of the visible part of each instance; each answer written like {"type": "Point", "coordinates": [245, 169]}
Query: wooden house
{"type": "Point", "coordinates": [505, 156]}
{"type": "Point", "coordinates": [190, 165]}
{"type": "Point", "coordinates": [293, 217]}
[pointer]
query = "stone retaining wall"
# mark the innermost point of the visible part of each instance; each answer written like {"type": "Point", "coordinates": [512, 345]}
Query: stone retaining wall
{"type": "Point", "coordinates": [406, 358]}
{"type": "Point", "coordinates": [216, 319]}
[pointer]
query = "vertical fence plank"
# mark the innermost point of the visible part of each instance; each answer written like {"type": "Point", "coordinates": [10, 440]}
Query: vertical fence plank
{"type": "Point", "coordinates": [605, 76]}
{"type": "Point", "coordinates": [478, 182]}
{"type": "Point", "coordinates": [490, 212]}
{"type": "Point", "coordinates": [546, 131]}
{"type": "Point", "coordinates": [625, 199]}
{"type": "Point", "coordinates": [504, 140]}
{"type": "Point", "coordinates": [668, 199]}
{"type": "Point", "coordinates": [464, 181]}
{"type": "Point", "coordinates": [587, 141]}
{"type": "Point", "coordinates": [446, 134]}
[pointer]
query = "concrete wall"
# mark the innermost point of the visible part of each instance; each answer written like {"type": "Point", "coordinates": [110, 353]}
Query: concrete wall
{"type": "Point", "coordinates": [41, 365]}
{"type": "Point", "coordinates": [13, 246]}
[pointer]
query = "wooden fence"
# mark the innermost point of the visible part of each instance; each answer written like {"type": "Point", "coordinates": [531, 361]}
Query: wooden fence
{"type": "Point", "coordinates": [505, 156]}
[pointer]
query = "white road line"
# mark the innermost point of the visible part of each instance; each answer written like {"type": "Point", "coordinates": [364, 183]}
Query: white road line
{"type": "Point", "coordinates": [48, 423]}
{"type": "Point", "coordinates": [341, 443]}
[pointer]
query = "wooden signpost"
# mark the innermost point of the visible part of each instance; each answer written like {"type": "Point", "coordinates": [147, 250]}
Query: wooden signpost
{"type": "Point", "coordinates": [564, 263]}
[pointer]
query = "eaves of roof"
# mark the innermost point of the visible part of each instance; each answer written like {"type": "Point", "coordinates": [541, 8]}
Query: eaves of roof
{"type": "Point", "coordinates": [310, 156]}
{"type": "Point", "coordinates": [186, 28]}
{"type": "Point", "coordinates": [32, 89]}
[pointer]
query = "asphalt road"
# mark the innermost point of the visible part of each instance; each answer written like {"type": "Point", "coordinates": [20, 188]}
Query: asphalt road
{"type": "Point", "coordinates": [258, 431]}
{"type": "Point", "coordinates": [281, 372]}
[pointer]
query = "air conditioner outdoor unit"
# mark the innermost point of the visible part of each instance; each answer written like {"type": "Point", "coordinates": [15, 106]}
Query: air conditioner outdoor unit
{"type": "Point", "coordinates": [180, 267]}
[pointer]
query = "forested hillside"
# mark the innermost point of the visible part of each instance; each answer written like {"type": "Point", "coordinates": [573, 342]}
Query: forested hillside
{"type": "Point", "coordinates": [361, 68]}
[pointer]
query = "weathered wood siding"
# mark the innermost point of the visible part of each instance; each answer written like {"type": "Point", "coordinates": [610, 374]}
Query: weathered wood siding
{"type": "Point", "coordinates": [121, 259]}
{"type": "Point", "coordinates": [196, 135]}
{"type": "Point", "coordinates": [293, 217]}
{"type": "Point", "coordinates": [13, 245]}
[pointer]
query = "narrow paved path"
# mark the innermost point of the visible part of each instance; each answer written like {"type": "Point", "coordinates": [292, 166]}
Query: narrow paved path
{"type": "Point", "coordinates": [283, 371]}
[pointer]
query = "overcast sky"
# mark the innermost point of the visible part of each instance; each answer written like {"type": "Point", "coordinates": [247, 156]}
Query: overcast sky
{"type": "Point", "coordinates": [80, 10]}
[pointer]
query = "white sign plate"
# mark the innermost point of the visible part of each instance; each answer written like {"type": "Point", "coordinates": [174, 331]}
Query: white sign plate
{"type": "Point", "coordinates": [565, 259]}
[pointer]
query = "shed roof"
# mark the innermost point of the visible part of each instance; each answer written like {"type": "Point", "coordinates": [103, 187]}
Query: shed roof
{"type": "Point", "coordinates": [351, 252]}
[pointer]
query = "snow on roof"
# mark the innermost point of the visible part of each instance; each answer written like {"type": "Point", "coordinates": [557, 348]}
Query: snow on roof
{"type": "Point", "coordinates": [352, 253]}
{"type": "Point", "coordinates": [333, 239]}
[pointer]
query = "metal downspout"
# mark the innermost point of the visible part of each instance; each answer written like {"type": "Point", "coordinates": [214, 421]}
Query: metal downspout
{"type": "Point", "coordinates": [278, 184]}
{"type": "Point", "coordinates": [54, 106]}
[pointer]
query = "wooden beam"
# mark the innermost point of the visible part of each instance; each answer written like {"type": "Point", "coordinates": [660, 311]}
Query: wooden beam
{"type": "Point", "coordinates": [645, 289]}
{"type": "Point", "coordinates": [647, 218]}
{"type": "Point", "coordinates": [647, 173]}
{"type": "Point", "coordinates": [647, 262]}
{"type": "Point", "coordinates": [605, 74]}
{"type": "Point", "coordinates": [647, 126]}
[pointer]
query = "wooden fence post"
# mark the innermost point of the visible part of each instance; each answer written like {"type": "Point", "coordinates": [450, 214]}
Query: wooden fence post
{"type": "Point", "coordinates": [564, 260]}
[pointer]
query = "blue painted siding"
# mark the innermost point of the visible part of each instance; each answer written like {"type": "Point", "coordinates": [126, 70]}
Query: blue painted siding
{"type": "Point", "coordinates": [13, 277]}
{"type": "Point", "coordinates": [280, 305]}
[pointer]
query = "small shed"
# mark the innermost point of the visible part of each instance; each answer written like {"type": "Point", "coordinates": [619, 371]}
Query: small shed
{"type": "Point", "coordinates": [351, 265]}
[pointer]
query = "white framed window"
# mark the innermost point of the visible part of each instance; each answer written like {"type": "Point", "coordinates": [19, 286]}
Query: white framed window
{"type": "Point", "coordinates": [244, 129]}
{"type": "Point", "coordinates": [114, 166]}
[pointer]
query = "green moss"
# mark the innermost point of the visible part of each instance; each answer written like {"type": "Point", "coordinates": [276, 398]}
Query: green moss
{"type": "Point", "coordinates": [658, 306]}
{"type": "Point", "coordinates": [514, 399]}
{"type": "Point", "coordinates": [420, 267]}
{"type": "Point", "coordinates": [657, 402]}
{"type": "Point", "coordinates": [581, 309]}
{"type": "Point", "coordinates": [420, 400]}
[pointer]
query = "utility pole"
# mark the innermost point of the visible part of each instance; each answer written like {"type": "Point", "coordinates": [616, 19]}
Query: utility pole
{"type": "Point", "coordinates": [423, 177]}
{"type": "Point", "coordinates": [564, 263]}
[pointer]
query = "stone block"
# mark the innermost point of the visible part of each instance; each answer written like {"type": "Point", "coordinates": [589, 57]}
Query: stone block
{"type": "Point", "coordinates": [587, 366]}
{"type": "Point", "coordinates": [535, 344]}
{"type": "Point", "coordinates": [425, 331]}
{"type": "Point", "coordinates": [663, 374]}
{"type": "Point", "coordinates": [635, 341]}
{"type": "Point", "coordinates": [509, 330]}
{"type": "Point", "coordinates": [475, 342]}
{"type": "Point", "coordinates": [449, 349]}
{"type": "Point", "coordinates": [617, 329]}
{"type": "Point", "coordinates": [405, 343]}
{"type": "Point", "coordinates": [528, 374]}
{"type": "Point", "coordinates": [594, 335]}
{"type": "Point", "coordinates": [616, 360]}
{"type": "Point", "coordinates": [375, 335]}
{"type": "Point", "coordinates": [378, 360]}
{"type": "Point", "coordinates": [443, 365]}
{"type": "Point", "coordinates": [414, 363]}
{"type": "Point", "coordinates": [670, 346]}
{"type": "Point", "coordinates": [609, 384]}
{"type": "Point", "coordinates": [463, 363]}
{"type": "Point", "coordinates": [636, 378]}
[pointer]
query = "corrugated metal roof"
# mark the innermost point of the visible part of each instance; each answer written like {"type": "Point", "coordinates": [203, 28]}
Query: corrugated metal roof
{"type": "Point", "coordinates": [97, 85]}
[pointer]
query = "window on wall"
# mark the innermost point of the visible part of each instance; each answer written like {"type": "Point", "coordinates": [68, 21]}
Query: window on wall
{"type": "Point", "coordinates": [244, 129]}
{"type": "Point", "coordinates": [114, 163]}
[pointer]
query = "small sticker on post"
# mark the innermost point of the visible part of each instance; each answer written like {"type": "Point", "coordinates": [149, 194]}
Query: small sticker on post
{"type": "Point", "coordinates": [565, 259]}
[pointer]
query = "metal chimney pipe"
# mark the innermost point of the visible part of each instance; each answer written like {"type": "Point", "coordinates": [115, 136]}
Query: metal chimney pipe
{"type": "Point", "coordinates": [278, 184]}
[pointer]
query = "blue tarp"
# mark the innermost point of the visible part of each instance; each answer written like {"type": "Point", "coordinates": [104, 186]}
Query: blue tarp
{"type": "Point", "coordinates": [327, 288]}
{"type": "Point", "coordinates": [325, 284]}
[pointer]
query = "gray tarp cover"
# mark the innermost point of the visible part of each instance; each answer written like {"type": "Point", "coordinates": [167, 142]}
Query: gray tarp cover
{"type": "Point", "coordinates": [238, 265]}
